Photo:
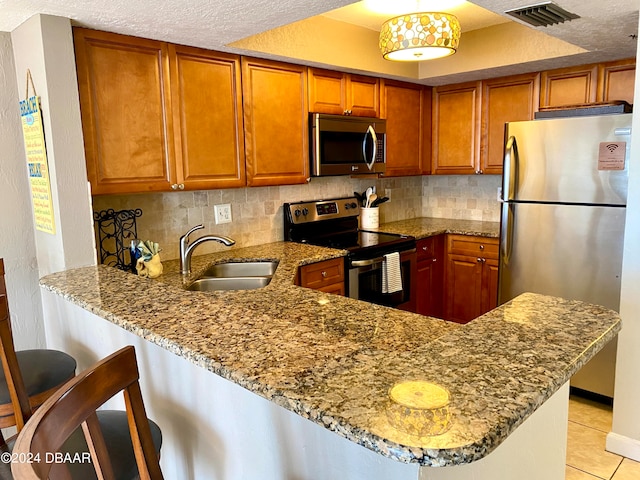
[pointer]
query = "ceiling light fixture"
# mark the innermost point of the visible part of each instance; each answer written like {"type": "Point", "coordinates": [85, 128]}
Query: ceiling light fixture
{"type": "Point", "coordinates": [419, 36]}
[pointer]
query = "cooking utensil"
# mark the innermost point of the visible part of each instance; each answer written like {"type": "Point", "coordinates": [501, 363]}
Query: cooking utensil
{"type": "Point", "coordinates": [379, 200]}
{"type": "Point", "coordinates": [372, 198]}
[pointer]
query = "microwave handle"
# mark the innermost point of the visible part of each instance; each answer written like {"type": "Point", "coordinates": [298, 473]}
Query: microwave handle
{"type": "Point", "coordinates": [371, 131]}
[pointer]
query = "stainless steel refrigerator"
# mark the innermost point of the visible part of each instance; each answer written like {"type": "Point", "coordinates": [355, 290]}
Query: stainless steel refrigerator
{"type": "Point", "coordinates": [564, 195]}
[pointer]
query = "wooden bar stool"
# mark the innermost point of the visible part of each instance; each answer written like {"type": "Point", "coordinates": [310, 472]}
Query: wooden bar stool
{"type": "Point", "coordinates": [119, 441]}
{"type": "Point", "coordinates": [41, 371]}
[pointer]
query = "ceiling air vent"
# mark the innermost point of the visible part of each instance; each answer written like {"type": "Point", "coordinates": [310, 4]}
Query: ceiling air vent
{"type": "Point", "coordinates": [543, 14]}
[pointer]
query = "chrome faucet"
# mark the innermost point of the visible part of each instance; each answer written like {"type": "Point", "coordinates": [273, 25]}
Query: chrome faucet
{"type": "Point", "coordinates": [186, 248]}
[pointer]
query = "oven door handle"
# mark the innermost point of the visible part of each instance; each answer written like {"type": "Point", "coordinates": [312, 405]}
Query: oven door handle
{"type": "Point", "coordinates": [373, 261]}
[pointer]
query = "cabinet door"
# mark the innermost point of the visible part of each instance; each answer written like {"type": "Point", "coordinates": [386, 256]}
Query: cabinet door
{"type": "Point", "coordinates": [464, 288]}
{"type": "Point", "coordinates": [489, 295]}
{"type": "Point", "coordinates": [207, 108]}
{"type": "Point", "coordinates": [430, 284]}
{"type": "Point", "coordinates": [507, 99]}
{"type": "Point", "coordinates": [327, 91]}
{"type": "Point", "coordinates": [456, 129]}
{"type": "Point", "coordinates": [276, 122]}
{"type": "Point", "coordinates": [363, 96]}
{"type": "Point", "coordinates": [569, 86]}
{"type": "Point", "coordinates": [123, 84]}
{"type": "Point", "coordinates": [616, 81]}
{"type": "Point", "coordinates": [408, 138]}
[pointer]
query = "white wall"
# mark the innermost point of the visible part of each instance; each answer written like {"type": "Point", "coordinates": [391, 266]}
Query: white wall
{"type": "Point", "coordinates": [624, 438]}
{"type": "Point", "coordinates": [44, 45]}
{"type": "Point", "coordinates": [17, 243]}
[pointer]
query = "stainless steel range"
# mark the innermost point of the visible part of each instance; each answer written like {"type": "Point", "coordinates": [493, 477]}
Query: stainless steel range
{"type": "Point", "coordinates": [334, 223]}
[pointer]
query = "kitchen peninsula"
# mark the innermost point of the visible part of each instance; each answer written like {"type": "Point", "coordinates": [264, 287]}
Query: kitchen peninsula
{"type": "Point", "coordinates": [285, 382]}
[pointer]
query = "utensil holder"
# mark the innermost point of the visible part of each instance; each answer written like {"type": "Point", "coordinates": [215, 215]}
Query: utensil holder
{"type": "Point", "coordinates": [369, 217]}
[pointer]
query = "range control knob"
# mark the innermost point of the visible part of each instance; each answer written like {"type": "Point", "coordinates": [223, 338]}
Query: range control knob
{"type": "Point", "coordinates": [354, 205]}
{"type": "Point", "coordinates": [305, 211]}
{"type": "Point", "coordinates": [297, 212]}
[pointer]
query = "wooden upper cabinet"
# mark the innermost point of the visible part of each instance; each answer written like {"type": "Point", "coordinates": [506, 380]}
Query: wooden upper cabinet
{"type": "Point", "coordinates": [340, 93]}
{"type": "Point", "coordinates": [276, 122]}
{"type": "Point", "coordinates": [407, 109]}
{"type": "Point", "coordinates": [456, 129]}
{"type": "Point", "coordinates": [616, 81]}
{"type": "Point", "coordinates": [604, 82]}
{"type": "Point", "coordinates": [207, 110]}
{"type": "Point", "coordinates": [126, 112]}
{"type": "Point", "coordinates": [363, 96]}
{"type": "Point", "coordinates": [569, 86]}
{"type": "Point", "coordinates": [506, 99]}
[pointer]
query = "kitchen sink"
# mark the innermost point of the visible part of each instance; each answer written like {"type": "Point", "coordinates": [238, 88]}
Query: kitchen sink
{"type": "Point", "coordinates": [241, 269]}
{"type": "Point", "coordinates": [235, 276]}
{"type": "Point", "coordinates": [207, 284]}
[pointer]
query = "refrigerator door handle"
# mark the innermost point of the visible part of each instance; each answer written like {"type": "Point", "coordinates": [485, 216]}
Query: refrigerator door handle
{"type": "Point", "coordinates": [510, 169]}
{"type": "Point", "coordinates": [506, 234]}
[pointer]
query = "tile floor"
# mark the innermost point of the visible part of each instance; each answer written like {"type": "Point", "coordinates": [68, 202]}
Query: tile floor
{"type": "Point", "coordinates": [589, 423]}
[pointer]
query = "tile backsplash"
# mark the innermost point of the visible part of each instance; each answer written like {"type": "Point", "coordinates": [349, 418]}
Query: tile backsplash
{"type": "Point", "coordinates": [257, 211]}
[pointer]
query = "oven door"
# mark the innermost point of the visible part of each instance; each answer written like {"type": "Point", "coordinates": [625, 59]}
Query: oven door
{"type": "Point", "coordinates": [365, 282]}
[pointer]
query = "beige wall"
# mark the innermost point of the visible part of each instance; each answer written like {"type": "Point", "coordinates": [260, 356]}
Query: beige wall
{"type": "Point", "coordinates": [257, 211]}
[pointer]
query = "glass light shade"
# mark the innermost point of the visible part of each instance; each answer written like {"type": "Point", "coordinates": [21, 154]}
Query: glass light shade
{"type": "Point", "coordinates": [419, 36]}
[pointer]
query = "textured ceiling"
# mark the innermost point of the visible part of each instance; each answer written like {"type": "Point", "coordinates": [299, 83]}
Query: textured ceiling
{"type": "Point", "coordinates": [603, 31]}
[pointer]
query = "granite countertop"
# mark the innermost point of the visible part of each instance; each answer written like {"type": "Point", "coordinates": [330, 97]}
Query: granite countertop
{"type": "Point", "coordinates": [332, 359]}
{"type": "Point", "coordinates": [427, 227]}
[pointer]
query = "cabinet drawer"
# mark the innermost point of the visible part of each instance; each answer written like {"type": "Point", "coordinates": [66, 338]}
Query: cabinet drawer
{"type": "Point", "coordinates": [322, 274]}
{"type": "Point", "coordinates": [473, 246]}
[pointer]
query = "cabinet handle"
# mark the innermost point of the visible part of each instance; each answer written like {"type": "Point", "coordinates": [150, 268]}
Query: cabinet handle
{"type": "Point", "coordinates": [324, 274]}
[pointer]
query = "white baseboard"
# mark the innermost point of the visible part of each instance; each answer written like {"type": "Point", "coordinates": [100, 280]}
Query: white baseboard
{"type": "Point", "coordinates": [625, 446]}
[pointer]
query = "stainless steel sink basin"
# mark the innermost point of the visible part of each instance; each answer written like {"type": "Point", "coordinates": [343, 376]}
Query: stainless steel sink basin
{"type": "Point", "coordinates": [208, 284]}
{"type": "Point", "coordinates": [235, 276]}
{"type": "Point", "coordinates": [241, 269]}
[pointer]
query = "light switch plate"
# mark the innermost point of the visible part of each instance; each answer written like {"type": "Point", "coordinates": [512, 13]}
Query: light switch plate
{"type": "Point", "coordinates": [222, 213]}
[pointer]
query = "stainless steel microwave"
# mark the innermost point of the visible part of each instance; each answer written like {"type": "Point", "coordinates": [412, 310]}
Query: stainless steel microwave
{"type": "Point", "coordinates": [345, 145]}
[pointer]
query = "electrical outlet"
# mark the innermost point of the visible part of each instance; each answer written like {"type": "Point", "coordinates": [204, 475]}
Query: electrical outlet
{"type": "Point", "coordinates": [387, 193]}
{"type": "Point", "coordinates": [499, 196]}
{"type": "Point", "coordinates": [222, 213]}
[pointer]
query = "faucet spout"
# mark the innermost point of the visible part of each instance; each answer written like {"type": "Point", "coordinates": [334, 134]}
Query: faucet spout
{"type": "Point", "coordinates": [186, 247]}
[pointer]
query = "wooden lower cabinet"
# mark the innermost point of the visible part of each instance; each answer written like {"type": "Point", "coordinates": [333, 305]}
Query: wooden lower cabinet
{"type": "Point", "coordinates": [430, 277]}
{"type": "Point", "coordinates": [327, 276]}
{"type": "Point", "coordinates": [471, 278]}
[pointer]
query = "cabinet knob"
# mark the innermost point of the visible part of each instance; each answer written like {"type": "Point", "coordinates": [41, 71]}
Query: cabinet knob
{"type": "Point", "coordinates": [177, 186]}
{"type": "Point", "coordinates": [479, 172]}
{"type": "Point", "coordinates": [324, 274]}
{"type": "Point", "coordinates": [174, 186]}
{"type": "Point", "coordinates": [481, 247]}
{"type": "Point", "coordinates": [181, 186]}
{"type": "Point", "coordinates": [424, 249]}
{"type": "Point", "coordinates": [479, 260]}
